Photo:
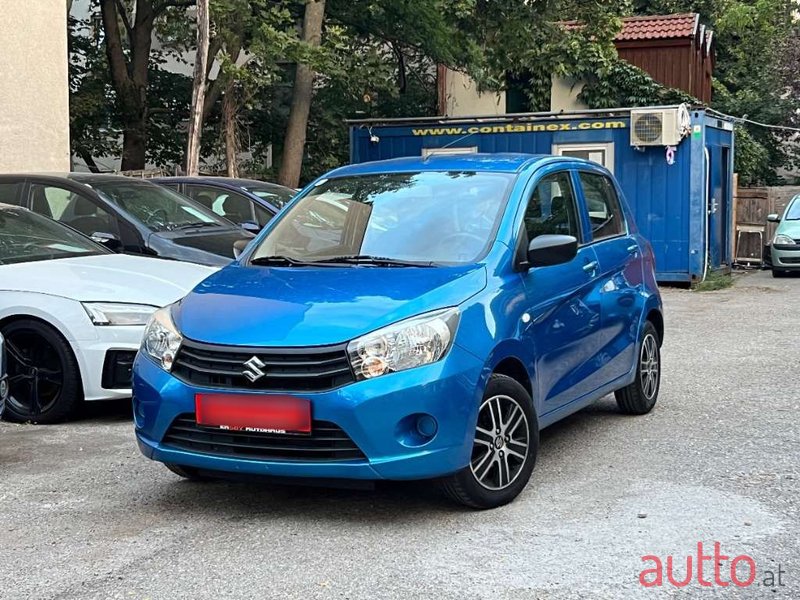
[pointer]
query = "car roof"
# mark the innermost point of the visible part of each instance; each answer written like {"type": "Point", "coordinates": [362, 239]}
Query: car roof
{"type": "Point", "coordinates": [492, 163]}
{"type": "Point", "coordinates": [87, 178]}
{"type": "Point", "coordinates": [236, 182]}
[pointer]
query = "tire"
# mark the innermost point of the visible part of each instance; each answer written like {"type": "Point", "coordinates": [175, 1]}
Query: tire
{"type": "Point", "coordinates": [483, 484]}
{"type": "Point", "coordinates": [40, 360]}
{"type": "Point", "coordinates": [777, 273]}
{"type": "Point", "coordinates": [189, 473]}
{"type": "Point", "coordinates": [640, 397]}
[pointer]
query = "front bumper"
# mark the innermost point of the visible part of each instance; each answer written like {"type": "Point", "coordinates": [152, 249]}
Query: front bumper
{"type": "Point", "coordinates": [373, 413]}
{"type": "Point", "coordinates": [785, 257]}
{"type": "Point", "coordinates": [101, 361]}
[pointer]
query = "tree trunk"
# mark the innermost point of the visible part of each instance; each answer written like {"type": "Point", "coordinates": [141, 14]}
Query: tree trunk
{"type": "Point", "coordinates": [129, 74]}
{"type": "Point", "coordinates": [295, 140]}
{"type": "Point", "coordinates": [199, 90]}
{"type": "Point", "coordinates": [230, 108]}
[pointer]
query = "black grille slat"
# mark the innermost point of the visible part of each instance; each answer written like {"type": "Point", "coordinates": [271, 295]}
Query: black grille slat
{"type": "Point", "coordinates": [327, 442]}
{"type": "Point", "coordinates": [286, 369]}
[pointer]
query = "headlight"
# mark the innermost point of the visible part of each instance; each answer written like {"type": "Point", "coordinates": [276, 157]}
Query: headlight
{"type": "Point", "coordinates": [161, 338]}
{"type": "Point", "coordinates": [783, 240]}
{"type": "Point", "coordinates": [411, 343]}
{"type": "Point", "coordinates": [111, 313]}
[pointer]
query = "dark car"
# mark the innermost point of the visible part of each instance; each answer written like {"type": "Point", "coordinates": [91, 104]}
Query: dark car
{"type": "Point", "coordinates": [128, 215]}
{"type": "Point", "coordinates": [246, 202]}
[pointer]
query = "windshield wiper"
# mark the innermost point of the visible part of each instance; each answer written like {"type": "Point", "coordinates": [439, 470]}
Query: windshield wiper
{"type": "Point", "coordinates": [280, 261]}
{"type": "Point", "coordinates": [196, 224]}
{"type": "Point", "coordinates": [367, 259]}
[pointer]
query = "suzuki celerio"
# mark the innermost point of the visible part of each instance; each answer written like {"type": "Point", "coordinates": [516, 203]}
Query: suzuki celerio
{"type": "Point", "coordinates": [418, 318]}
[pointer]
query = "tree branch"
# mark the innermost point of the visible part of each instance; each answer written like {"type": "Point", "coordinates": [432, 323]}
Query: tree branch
{"type": "Point", "coordinates": [123, 13]}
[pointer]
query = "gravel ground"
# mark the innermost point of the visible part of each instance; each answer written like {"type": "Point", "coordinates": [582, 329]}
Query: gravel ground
{"type": "Point", "coordinates": [83, 515]}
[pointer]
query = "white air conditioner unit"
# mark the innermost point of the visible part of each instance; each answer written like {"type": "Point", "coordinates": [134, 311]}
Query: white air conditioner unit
{"type": "Point", "coordinates": [657, 127]}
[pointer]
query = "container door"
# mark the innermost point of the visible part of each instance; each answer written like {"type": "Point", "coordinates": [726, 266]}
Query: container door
{"type": "Point", "coordinates": [717, 205]}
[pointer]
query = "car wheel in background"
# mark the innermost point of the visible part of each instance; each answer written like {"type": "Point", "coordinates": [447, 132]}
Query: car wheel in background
{"type": "Point", "coordinates": [44, 379]}
{"type": "Point", "coordinates": [504, 449]}
{"type": "Point", "coordinates": [640, 397]}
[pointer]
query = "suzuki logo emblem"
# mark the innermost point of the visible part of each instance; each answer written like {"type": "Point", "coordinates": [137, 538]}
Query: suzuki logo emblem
{"type": "Point", "coordinates": [253, 369]}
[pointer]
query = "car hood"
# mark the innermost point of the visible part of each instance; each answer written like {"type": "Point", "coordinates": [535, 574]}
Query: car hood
{"type": "Point", "coordinates": [106, 278]}
{"type": "Point", "coordinates": [790, 228]}
{"type": "Point", "coordinates": [310, 306]}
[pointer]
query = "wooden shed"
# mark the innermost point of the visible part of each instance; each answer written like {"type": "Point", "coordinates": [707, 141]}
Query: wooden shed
{"type": "Point", "coordinates": [676, 50]}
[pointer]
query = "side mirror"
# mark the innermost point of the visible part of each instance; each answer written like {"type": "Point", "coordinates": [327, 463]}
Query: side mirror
{"type": "Point", "coordinates": [773, 218]}
{"type": "Point", "coordinates": [238, 247]}
{"type": "Point", "coordinates": [250, 226]}
{"type": "Point", "coordinates": [549, 250]}
{"type": "Point", "coordinates": [109, 240]}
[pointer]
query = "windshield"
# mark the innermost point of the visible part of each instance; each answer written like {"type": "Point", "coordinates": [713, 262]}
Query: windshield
{"type": "Point", "coordinates": [158, 208]}
{"type": "Point", "coordinates": [793, 212]}
{"type": "Point", "coordinates": [26, 237]}
{"type": "Point", "coordinates": [275, 195]}
{"type": "Point", "coordinates": [421, 217]}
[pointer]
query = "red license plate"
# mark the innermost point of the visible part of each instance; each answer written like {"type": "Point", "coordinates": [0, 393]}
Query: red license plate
{"type": "Point", "coordinates": [259, 414]}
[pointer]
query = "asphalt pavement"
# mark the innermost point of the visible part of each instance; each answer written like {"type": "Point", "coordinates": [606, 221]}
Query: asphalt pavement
{"type": "Point", "coordinates": [83, 515]}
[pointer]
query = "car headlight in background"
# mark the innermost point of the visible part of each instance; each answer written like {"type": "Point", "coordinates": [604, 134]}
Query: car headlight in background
{"type": "Point", "coordinates": [410, 343]}
{"type": "Point", "coordinates": [783, 240]}
{"type": "Point", "coordinates": [161, 339]}
{"type": "Point", "coordinates": [113, 313]}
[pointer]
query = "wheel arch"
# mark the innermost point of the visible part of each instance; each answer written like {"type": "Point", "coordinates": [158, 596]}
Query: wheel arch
{"type": "Point", "coordinates": [512, 359]}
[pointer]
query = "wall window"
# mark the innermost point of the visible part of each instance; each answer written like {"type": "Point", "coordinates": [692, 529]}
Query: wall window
{"type": "Point", "coordinates": [602, 154]}
{"type": "Point", "coordinates": [605, 214]}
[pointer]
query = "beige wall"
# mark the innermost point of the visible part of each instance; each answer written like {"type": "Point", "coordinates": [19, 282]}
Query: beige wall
{"type": "Point", "coordinates": [564, 95]}
{"type": "Point", "coordinates": [34, 94]}
{"type": "Point", "coordinates": [462, 97]}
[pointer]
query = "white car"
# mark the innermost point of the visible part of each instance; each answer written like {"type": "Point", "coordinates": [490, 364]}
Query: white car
{"type": "Point", "coordinates": [3, 376]}
{"type": "Point", "coordinates": [73, 313]}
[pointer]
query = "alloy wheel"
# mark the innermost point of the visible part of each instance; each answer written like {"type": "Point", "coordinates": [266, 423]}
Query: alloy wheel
{"type": "Point", "coordinates": [502, 437]}
{"type": "Point", "coordinates": [35, 374]}
{"type": "Point", "coordinates": [649, 367]}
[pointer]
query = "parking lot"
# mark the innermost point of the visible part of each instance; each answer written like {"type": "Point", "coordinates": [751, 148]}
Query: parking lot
{"type": "Point", "coordinates": [83, 515]}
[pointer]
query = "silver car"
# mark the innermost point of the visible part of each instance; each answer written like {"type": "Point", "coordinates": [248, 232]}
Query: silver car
{"type": "Point", "coordinates": [3, 376]}
{"type": "Point", "coordinates": [786, 243]}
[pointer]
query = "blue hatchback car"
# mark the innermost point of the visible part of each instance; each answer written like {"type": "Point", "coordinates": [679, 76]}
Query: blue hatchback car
{"type": "Point", "coordinates": [409, 319]}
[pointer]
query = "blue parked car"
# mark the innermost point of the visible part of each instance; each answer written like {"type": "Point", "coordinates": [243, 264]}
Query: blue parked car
{"type": "Point", "coordinates": [409, 319]}
{"type": "Point", "coordinates": [246, 202]}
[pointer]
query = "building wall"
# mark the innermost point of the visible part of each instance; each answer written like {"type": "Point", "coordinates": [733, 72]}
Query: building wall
{"type": "Point", "coordinates": [564, 95]}
{"type": "Point", "coordinates": [34, 86]}
{"type": "Point", "coordinates": [462, 98]}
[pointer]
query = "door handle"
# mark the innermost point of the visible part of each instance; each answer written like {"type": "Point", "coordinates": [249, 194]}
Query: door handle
{"type": "Point", "coordinates": [633, 249]}
{"type": "Point", "coordinates": [590, 267]}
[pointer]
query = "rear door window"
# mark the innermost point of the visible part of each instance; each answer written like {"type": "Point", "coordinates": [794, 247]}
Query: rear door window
{"type": "Point", "coordinates": [605, 214]}
{"type": "Point", "coordinates": [225, 203]}
{"type": "Point", "coordinates": [11, 193]}
{"type": "Point", "coordinates": [73, 209]}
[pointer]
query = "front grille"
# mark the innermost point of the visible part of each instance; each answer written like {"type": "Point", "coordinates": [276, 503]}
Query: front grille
{"type": "Point", "coordinates": [790, 260]}
{"type": "Point", "coordinates": [327, 442]}
{"type": "Point", "coordinates": [309, 369]}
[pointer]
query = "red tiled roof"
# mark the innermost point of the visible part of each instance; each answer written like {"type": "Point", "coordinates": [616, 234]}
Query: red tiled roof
{"type": "Point", "coordinates": [659, 27]}
{"type": "Point", "coordinates": [655, 27]}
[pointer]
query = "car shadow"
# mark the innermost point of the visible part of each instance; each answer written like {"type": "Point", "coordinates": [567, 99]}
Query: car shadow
{"type": "Point", "coordinates": [410, 501]}
{"type": "Point", "coordinates": [107, 411]}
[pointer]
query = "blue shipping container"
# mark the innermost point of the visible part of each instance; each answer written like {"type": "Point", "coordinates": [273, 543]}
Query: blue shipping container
{"type": "Point", "coordinates": [683, 205]}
